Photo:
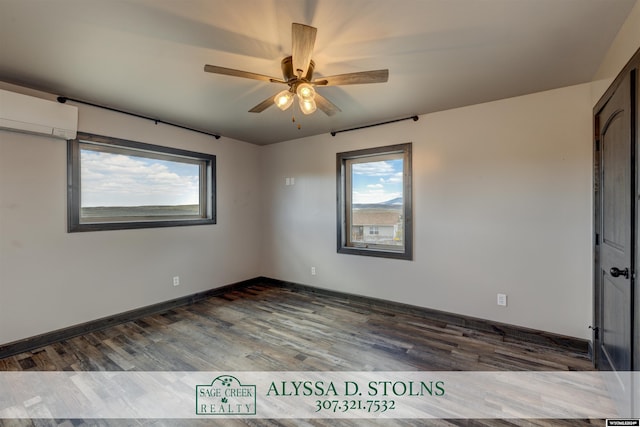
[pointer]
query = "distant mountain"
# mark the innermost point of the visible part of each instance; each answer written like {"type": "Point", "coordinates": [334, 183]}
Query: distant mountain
{"type": "Point", "coordinates": [396, 201]}
{"type": "Point", "coordinates": [387, 204]}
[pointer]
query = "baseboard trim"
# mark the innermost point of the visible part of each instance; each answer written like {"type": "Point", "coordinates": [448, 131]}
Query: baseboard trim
{"type": "Point", "coordinates": [47, 338]}
{"type": "Point", "coordinates": [508, 332]}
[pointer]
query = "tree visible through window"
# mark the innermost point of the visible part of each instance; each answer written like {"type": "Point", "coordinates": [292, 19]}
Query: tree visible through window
{"type": "Point", "coordinates": [374, 208]}
{"type": "Point", "coordinates": [124, 184]}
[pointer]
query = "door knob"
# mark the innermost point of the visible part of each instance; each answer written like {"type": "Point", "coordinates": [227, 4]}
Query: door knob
{"type": "Point", "coordinates": [615, 272]}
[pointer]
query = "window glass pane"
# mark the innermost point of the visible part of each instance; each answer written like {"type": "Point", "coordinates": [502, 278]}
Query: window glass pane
{"type": "Point", "coordinates": [374, 206]}
{"type": "Point", "coordinates": [377, 202]}
{"type": "Point", "coordinates": [117, 184]}
{"type": "Point", "coordinates": [125, 186]}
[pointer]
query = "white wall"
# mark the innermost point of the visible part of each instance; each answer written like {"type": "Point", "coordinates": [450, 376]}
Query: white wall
{"type": "Point", "coordinates": [50, 279]}
{"type": "Point", "coordinates": [502, 203]}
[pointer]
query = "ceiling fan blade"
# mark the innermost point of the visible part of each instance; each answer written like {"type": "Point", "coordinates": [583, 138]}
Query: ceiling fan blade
{"type": "Point", "coordinates": [361, 77]}
{"type": "Point", "coordinates": [239, 73]}
{"type": "Point", "coordinates": [328, 107]}
{"type": "Point", "coordinates": [263, 105]}
{"type": "Point", "coordinates": [303, 38]}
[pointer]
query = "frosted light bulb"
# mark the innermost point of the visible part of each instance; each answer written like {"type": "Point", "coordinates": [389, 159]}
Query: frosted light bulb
{"type": "Point", "coordinates": [307, 106]}
{"type": "Point", "coordinates": [283, 100]}
{"type": "Point", "coordinates": [306, 91]}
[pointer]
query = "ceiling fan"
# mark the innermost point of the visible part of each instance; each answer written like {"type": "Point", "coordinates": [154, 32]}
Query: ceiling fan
{"type": "Point", "coordinates": [297, 71]}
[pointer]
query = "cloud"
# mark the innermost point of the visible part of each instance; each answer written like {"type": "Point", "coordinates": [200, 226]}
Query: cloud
{"type": "Point", "coordinates": [384, 168]}
{"type": "Point", "coordinates": [378, 181]}
{"type": "Point", "coordinates": [396, 178]}
{"type": "Point", "coordinates": [119, 180]}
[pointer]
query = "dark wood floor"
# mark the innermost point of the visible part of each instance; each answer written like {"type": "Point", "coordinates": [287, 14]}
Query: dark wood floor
{"type": "Point", "coordinates": [264, 328]}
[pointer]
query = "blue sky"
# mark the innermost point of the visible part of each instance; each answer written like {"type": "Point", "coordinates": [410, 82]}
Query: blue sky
{"type": "Point", "coordinates": [121, 180]}
{"type": "Point", "coordinates": [118, 180]}
{"type": "Point", "coordinates": [375, 182]}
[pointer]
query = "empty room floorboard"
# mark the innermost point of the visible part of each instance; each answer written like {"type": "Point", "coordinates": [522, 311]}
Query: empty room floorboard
{"type": "Point", "coordinates": [268, 328]}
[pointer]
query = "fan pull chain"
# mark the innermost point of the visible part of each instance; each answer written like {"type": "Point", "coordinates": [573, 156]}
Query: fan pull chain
{"type": "Point", "coordinates": [293, 119]}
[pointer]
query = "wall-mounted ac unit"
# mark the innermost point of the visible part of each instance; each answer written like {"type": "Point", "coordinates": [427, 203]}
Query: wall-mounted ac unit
{"type": "Point", "coordinates": [22, 113]}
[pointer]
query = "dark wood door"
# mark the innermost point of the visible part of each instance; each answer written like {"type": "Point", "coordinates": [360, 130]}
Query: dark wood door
{"type": "Point", "coordinates": [615, 264]}
{"type": "Point", "coordinates": [616, 335]}
{"type": "Point", "coordinates": [615, 269]}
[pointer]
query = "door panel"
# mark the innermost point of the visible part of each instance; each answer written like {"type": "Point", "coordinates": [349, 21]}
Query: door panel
{"type": "Point", "coordinates": [616, 248]}
{"type": "Point", "coordinates": [615, 189]}
{"type": "Point", "coordinates": [616, 180]}
{"type": "Point", "coordinates": [615, 344]}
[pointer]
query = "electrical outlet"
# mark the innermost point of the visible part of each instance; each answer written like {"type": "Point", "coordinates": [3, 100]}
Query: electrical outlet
{"type": "Point", "coordinates": [313, 271]}
{"type": "Point", "coordinates": [502, 300]}
{"type": "Point", "coordinates": [176, 281]}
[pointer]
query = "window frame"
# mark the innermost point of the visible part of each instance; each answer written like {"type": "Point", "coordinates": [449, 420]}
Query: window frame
{"type": "Point", "coordinates": [207, 197]}
{"type": "Point", "coordinates": [344, 202]}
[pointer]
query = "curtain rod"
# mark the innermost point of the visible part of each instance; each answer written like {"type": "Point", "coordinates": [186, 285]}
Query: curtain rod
{"type": "Point", "coordinates": [414, 118]}
{"type": "Point", "coordinates": [63, 99]}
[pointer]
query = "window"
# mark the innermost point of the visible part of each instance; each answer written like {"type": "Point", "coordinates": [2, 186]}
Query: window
{"type": "Point", "coordinates": [374, 202]}
{"type": "Point", "coordinates": [118, 184]}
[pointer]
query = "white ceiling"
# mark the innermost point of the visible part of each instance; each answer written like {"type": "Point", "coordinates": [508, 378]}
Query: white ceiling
{"type": "Point", "coordinates": [147, 56]}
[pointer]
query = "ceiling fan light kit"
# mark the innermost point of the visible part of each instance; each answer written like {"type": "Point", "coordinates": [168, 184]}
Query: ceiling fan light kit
{"type": "Point", "coordinates": [297, 72]}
